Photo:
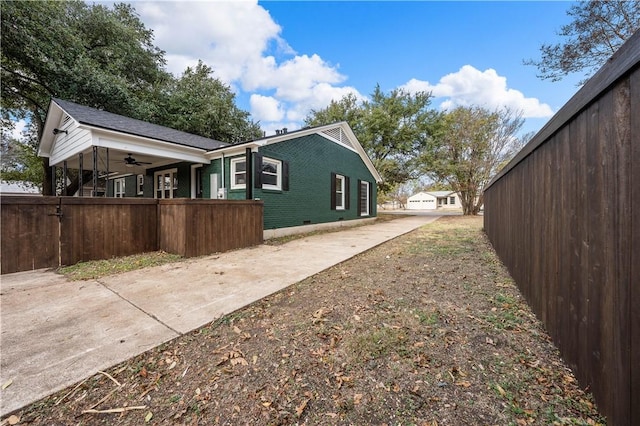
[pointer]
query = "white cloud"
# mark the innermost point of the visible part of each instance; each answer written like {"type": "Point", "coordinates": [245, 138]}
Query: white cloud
{"type": "Point", "coordinates": [242, 44]}
{"type": "Point", "coordinates": [266, 108]}
{"type": "Point", "coordinates": [19, 127]}
{"type": "Point", "coordinates": [470, 86]}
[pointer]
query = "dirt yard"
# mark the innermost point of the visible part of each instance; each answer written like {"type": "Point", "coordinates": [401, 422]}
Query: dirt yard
{"type": "Point", "coordinates": [427, 329]}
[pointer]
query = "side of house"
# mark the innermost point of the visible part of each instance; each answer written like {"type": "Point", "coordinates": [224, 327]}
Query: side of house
{"type": "Point", "coordinates": [309, 176]}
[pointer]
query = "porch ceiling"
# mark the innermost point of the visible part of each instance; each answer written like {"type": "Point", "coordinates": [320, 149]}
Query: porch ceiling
{"type": "Point", "coordinates": [116, 161]}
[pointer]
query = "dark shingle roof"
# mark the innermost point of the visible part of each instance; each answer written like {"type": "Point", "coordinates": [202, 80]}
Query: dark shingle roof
{"type": "Point", "coordinates": [107, 120]}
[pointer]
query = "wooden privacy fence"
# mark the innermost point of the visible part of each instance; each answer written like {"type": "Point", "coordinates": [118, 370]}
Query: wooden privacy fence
{"type": "Point", "coordinates": [564, 217]}
{"type": "Point", "coordinates": [45, 232]}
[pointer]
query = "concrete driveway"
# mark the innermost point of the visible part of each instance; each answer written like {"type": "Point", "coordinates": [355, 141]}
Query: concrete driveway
{"type": "Point", "coordinates": [55, 333]}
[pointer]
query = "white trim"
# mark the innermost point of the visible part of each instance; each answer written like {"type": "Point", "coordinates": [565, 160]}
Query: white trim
{"type": "Point", "coordinates": [367, 195]}
{"type": "Point", "coordinates": [193, 179]}
{"type": "Point", "coordinates": [119, 187]}
{"type": "Point", "coordinates": [343, 184]}
{"type": "Point", "coordinates": [140, 185]}
{"type": "Point", "coordinates": [232, 173]}
{"type": "Point", "coordinates": [162, 189]}
{"type": "Point", "coordinates": [278, 185]}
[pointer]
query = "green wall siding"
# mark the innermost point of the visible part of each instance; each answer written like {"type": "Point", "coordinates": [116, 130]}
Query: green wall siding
{"type": "Point", "coordinates": [312, 159]}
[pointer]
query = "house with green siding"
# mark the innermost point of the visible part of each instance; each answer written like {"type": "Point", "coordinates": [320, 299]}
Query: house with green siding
{"type": "Point", "coordinates": [307, 177]}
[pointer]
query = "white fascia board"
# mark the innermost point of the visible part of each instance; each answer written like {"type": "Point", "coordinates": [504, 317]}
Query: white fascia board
{"type": "Point", "coordinates": [233, 150]}
{"type": "Point", "coordinates": [54, 116]}
{"type": "Point", "coordinates": [146, 146]}
{"type": "Point", "coordinates": [367, 161]}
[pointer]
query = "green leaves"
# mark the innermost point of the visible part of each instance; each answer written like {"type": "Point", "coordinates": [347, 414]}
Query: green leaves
{"type": "Point", "coordinates": [392, 128]}
{"type": "Point", "coordinates": [467, 149]}
{"type": "Point", "coordinates": [597, 30]}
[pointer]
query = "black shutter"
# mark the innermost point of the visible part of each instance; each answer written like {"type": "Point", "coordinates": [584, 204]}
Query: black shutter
{"type": "Point", "coordinates": [371, 198]}
{"type": "Point", "coordinates": [347, 193]}
{"type": "Point", "coordinates": [333, 191]}
{"type": "Point", "coordinates": [359, 197]}
{"type": "Point", "coordinates": [285, 175]}
{"type": "Point", "coordinates": [257, 170]}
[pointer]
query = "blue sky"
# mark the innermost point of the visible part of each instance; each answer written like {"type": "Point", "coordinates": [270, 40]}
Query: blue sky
{"type": "Point", "coordinates": [283, 58]}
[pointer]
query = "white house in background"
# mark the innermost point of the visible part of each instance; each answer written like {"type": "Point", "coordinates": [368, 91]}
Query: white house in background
{"type": "Point", "coordinates": [434, 200]}
{"type": "Point", "coordinates": [18, 188]}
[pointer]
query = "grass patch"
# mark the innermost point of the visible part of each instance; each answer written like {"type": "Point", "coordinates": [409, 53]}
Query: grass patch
{"type": "Point", "coordinates": [101, 268]}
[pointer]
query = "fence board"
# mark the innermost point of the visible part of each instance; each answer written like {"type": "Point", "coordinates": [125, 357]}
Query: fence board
{"type": "Point", "coordinates": [102, 228]}
{"type": "Point", "coordinates": [634, 296]}
{"type": "Point", "coordinates": [199, 227]}
{"type": "Point", "coordinates": [565, 219]}
{"type": "Point", "coordinates": [29, 234]}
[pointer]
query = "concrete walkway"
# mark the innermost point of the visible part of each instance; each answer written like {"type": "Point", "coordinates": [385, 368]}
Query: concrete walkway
{"type": "Point", "coordinates": [56, 332]}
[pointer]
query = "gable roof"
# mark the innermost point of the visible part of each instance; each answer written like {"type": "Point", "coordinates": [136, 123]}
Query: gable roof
{"type": "Point", "coordinates": [110, 121]}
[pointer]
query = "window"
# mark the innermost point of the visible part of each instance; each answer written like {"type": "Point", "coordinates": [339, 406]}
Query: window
{"type": "Point", "coordinates": [118, 187]}
{"type": "Point", "coordinates": [339, 192]}
{"type": "Point", "coordinates": [271, 174]}
{"type": "Point", "coordinates": [363, 198]}
{"type": "Point", "coordinates": [140, 184]}
{"type": "Point", "coordinates": [198, 182]}
{"type": "Point", "coordinates": [452, 200]}
{"type": "Point", "coordinates": [165, 183]}
{"type": "Point", "coordinates": [238, 173]}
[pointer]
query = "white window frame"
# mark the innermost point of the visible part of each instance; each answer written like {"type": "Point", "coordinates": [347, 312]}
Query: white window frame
{"type": "Point", "coordinates": [366, 196]}
{"type": "Point", "coordinates": [140, 184]}
{"type": "Point", "coordinates": [194, 182]}
{"type": "Point", "coordinates": [232, 176]}
{"type": "Point", "coordinates": [342, 181]}
{"type": "Point", "coordinates": [278, 174]}
{"type": "Point", "coordinates": [119, 187]}
{"type": "Point", "coordinates": [160, 186]}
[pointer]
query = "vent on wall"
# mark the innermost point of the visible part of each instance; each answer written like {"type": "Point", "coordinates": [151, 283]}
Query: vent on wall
{"type": "Point", "coordinates": [339, 136]}
{"type": "Point", "coordinates": [65, 119]}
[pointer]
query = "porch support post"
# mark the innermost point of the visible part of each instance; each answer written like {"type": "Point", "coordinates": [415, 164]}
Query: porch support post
{"type": "Point", "coordinates": [80, 183]}
{"type": "Point", "coordinates": [106, 178]}
{"type": "Point", "coordinates": [95, 171]}
{"type": "Point", "coordinates": [64, 178]}
{"type": "Point", "coordinates": [249, 174]}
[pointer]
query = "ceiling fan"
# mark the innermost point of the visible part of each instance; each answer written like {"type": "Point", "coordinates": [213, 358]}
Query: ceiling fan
{"type": "Point", "coordinates": [129, 161]}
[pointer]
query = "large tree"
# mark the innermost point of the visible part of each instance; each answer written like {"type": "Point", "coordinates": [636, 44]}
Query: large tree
{"type": "Point", "coordinates": [392, 127]}
{"type": "Point", "coordinates": [201, 104]}
{"type": "Point", "coordinates": [104, 58]}
{"type": "Point", "coordinates": [93, 55]}
{"type": "Point", "coordinates": [597, 30]}
{"type": "Point", "coordinates": [468, 148]}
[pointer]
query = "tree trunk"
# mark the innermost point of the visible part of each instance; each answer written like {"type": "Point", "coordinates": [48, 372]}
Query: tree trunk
{"type": "Point", "coordinates": [47, 181]}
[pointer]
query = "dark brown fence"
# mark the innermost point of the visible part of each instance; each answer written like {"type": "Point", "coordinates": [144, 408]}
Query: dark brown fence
{"type": "Point", "coordinates": [564, 217]}
{"type": "Point", "coordinates": [197, 227]}
{"type": "Point", "coordinates": [29, 233]}
{"type": "Point", "coordinates": [101, 228]}
{"type": "Point", "coordinates": [44, 232]}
